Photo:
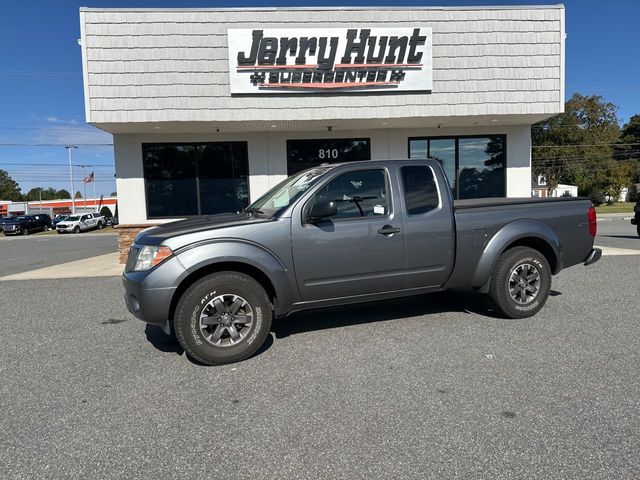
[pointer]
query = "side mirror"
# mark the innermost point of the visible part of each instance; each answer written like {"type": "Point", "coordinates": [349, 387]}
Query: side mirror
{"type": "Point", "coordinates": [322, 210]}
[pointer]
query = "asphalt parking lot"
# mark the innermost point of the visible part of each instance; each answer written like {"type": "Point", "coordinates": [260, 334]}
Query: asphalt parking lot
{"type": "Point", "coordinates": [22, 254]}
{"type": "Point", "coordinates": [427, 387]}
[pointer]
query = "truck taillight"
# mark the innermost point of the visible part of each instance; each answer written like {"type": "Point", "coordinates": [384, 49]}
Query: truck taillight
{"type": "Point", "coordinates": [593, 221]}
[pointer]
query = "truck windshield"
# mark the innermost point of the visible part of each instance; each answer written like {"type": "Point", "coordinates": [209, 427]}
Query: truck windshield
{"type": "Point", "coordinates": [285, 193]}
{"type": "Point", "coordinates": [73, 218]}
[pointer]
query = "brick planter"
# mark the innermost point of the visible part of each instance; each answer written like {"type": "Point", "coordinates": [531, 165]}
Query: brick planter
{"type": "Point", "coordinates": [126, 236]}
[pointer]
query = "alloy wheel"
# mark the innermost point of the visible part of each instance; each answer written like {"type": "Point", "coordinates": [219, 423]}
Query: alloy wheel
{"type": "Point", "coordinates": [226, 320]}
{"type": "Point", "coordinates": [524, 283]}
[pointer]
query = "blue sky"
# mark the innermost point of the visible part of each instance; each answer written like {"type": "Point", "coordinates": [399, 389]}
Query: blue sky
{"type": "Point", "coordinates": [41, 98]}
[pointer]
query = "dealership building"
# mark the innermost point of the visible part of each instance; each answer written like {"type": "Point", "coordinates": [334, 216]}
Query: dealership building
{"type": "Point", "coordinates": [209, 108]}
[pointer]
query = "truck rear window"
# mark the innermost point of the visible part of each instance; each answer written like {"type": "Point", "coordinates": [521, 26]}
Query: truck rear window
{"type": "Point", "coordinates": [420, 190]}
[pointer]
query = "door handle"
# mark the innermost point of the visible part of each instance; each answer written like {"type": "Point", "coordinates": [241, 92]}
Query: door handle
{"type": "Point", "coordinates": [388, 230]}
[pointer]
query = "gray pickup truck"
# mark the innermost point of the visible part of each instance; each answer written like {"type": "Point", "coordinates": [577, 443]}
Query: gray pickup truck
{"type": "Point", "coordinates": [344, 234]}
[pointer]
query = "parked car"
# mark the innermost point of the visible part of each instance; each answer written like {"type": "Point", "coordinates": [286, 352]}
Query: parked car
{"type": "Point", "coordinates": [4, 220]}
{"type": "Point", "coordinates": [342, 234]}
{"type": "Point", "coordinates": [636, 218]}
{"type": "Point", "coordinates": [81, 223]}
{"type": "Point", "coordinates": [58, 219]}
{"type": "Point", "coordinates": [24, 225]}
{"type": "Point", "coordinates": [45, 219]}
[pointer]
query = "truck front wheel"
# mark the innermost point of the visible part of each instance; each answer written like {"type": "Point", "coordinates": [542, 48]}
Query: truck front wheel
{"type": "Point", "coordinates": [520, 283]}
{"type": "Point", "coordinates": [223, 318]}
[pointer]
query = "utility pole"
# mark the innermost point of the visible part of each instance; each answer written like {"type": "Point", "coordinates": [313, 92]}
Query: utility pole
{"type": "Point", "coordinates": [73, 194]}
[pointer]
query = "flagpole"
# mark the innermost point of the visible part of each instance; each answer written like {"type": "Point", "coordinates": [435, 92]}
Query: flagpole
{"type": "Point", "coordinates": [84, 181]}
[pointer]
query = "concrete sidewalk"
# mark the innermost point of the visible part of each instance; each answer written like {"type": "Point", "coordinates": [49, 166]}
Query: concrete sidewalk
{"type": "Point", "coordinates": [615, 216]}
{"type": "Point", "coordinates": [98, 266]}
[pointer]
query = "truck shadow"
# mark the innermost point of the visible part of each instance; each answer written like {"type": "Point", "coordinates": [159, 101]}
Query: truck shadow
{"type": "Point", "coordinates": [380, 311]}
{"type": "Point", "coordinates": [357, 314]}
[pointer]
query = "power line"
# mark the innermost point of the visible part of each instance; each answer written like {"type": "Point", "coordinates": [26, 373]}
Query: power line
{"type": "Point", "coordinates": [40, 73]}
{"type": "Point", "coordinates": [587, 145]}
{"type": "Point", "coordinates": [57, 164]}
{"type": "Point", "coordinates": [55, 144]}
{"type": "Point", "coordinates": [54, 129]}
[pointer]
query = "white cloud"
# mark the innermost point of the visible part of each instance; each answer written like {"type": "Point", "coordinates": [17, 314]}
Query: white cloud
{"type": "Point", "coordinates": [60, 121]}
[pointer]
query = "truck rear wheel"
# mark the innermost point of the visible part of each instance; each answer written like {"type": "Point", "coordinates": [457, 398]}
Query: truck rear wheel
{"type": "Point", "coordinates": [520, 283]}
{"type": "Point", "coordinates": [223, 318]}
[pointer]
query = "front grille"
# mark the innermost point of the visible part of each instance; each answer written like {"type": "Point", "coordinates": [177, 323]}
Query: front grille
{"type": "Point", "coordinates": [131, 259]}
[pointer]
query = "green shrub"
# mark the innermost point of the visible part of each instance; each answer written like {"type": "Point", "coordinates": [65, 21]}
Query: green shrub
{"type": "Point", "coordinates": [596, 196]}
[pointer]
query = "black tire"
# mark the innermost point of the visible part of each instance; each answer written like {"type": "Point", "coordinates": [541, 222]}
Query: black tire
{"type": "Point", "coordinates": [60, 232]}
{"type": "Point", "coordinates": [638, 230]}
{"type": "Point", "coordinates": [196, 301]}
{"type": "Point", "coordinates": [76, 229]}
{"type": "Point", "coordinates": [24, 231]}
{"type": "Point", "coordinates": [100, 225]}
{"type": "Point", "coordinates": [523, 263]}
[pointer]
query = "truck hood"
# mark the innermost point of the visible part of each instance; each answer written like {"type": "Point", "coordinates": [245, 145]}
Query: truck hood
{"type": "Point", "coordinates": [156, 235]}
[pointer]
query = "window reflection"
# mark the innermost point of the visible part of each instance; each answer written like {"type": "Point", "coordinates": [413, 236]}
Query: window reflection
{"type": "Point", "coordinates": [170, 174]}
{"type": "Point", "coordinates": [444, 150]}
{"type": "Point", "coordinates": [303, 154]}
{"type": "Point", "coordinates": [475, 165]}
{"type": "Point", "coordinates": [481, 167]}
{"type": "Point", "coordinates": [195, 179]}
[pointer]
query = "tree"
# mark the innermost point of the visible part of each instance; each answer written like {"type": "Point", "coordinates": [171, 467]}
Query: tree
{"type": "Point", "coordinates": [576, 146]}
{"type": "Point", "coordinates": [629, 146]}
{"type": "Point", "coordinates": [9, 188]}
{"type": "Point", "coordinates": [106, 211]}
{"type": "Point", "coordinates": [78, 194]}
{"type": "Point", "coordinates": [39, 193]}
{"type": "Point", "coordinates": [113, 194]}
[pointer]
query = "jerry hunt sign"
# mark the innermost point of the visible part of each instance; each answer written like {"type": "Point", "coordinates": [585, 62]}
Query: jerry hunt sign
{"type": "Point", "coordinates": [306, 60]}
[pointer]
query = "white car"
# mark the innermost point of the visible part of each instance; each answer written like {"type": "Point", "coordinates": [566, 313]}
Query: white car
{"type": "Point", "coordinates": [81, 223]}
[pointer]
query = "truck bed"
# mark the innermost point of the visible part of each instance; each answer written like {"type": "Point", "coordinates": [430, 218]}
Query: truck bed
{"type": "Point", "coordinates": [494, 202]}
{"type": "Point", "coordinates": [480, 224]}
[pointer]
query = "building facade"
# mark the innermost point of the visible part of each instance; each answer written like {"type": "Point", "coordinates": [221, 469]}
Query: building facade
{"type": "Point", "coordinates": [209, 108]}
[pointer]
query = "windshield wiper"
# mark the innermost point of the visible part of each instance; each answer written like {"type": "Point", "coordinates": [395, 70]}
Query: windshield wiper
{"type": "Point", "coordinates": [253, 211]}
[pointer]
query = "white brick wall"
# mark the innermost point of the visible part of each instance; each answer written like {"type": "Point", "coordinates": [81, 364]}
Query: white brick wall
{"type": "Point", "coordinates": [171, 65]}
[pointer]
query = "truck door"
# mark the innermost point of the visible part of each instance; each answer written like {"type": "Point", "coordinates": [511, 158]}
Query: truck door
{"type": "Point", "coordinates": [359, 250]}
{"type": "Point", "coordinates": [427, 225]}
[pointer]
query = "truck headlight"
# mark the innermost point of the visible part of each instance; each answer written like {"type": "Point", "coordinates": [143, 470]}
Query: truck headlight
{"type": "Point", "coordinates": [149, 256]}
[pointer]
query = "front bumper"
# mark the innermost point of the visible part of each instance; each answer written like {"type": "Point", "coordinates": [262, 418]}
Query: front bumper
{"type": "Point", "coordinates": [593, 256]}
{"type": "Point", "coordinates": [148, 295]}
{"type": "Point", "coordinates": [65, 228]}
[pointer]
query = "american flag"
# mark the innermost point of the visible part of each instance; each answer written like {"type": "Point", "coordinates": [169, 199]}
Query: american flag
{"type": "Point", "coordinates": [88, 178]}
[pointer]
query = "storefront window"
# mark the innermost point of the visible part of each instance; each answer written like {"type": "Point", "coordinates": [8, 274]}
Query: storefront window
{"type": "Point", "coordinates": [481, 167]}
{"type": "Point", "coordinates": [195, 179]}
{"type": "Point", "coordinates": [303, 154]}
{"type": "Point", "coordinates": [475, 166]}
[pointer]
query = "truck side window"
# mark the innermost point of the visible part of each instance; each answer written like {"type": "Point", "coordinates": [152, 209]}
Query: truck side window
{"type": "Point", "coordinates": [420, 191]}
{"type": "Point", "coordinates": [361, 193]}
